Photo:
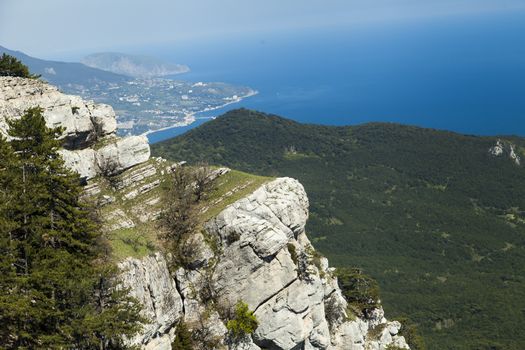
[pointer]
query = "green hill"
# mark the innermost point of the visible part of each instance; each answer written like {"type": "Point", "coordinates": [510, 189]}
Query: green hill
{"type": "Point", "coordinates": [432, 215]}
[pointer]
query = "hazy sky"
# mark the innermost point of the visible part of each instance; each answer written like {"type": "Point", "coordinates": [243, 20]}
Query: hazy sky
{"type": "Point", "coordinates": [49, 27]}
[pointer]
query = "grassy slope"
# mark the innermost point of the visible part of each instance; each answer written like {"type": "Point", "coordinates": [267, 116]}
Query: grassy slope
{"type": "Point", "coordinates": [430, 214]}
{"type": "Point", "coordinates": [142, 239]}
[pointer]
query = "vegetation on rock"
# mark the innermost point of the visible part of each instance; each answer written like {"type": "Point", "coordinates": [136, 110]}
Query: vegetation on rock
{"type": "Point", "coordinates": [360, 290]}
{"type": "Point", "coordinates": [179, 219]}
{"type": "Point", "coordinates": [12, 67]}
{"type": "Point", "coordinates": [183, 338]}
{"type": "Point", "coordinates": [243, 322]}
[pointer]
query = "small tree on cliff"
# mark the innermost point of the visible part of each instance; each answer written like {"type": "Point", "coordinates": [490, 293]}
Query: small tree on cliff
{"type": "Point", "coordinates": [12, 67]}
{"type": "Point", "coordinates": [51, 271]}
{"type": "Point", "coordinates": [183, 338]}
{"type": "Point", "coordinates": [243, 322]}
{"type": "Point", "coordinates": [188, 186]}
{"type": "Point", "coordinates": [180, 217]}
{"type": "Point", "coordinates": [361, 291]}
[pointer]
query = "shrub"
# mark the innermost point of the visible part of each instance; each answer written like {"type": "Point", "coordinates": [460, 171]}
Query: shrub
{"type": "Point", "coordinates": [412, 336]}
{"type": "Point", "coordinates": [183, 338]}
{"type": "Point", "coordinates": [360, 290]}
{"type": "Point", "coordinates": [12, 67]}
{"type": "Point", "coordinates": [233, 237]}
{"type": "Point", "coordinates": [393, 347]}
{"type": "Point", "coordinates": [293, 253]}
{"type": "Point", "coordinates": [243, 323]}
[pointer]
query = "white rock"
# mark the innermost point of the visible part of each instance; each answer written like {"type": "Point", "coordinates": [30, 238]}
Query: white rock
{"type": "Point", "coordinates": [252, 263]}
{"type": "Point", "coordinates": [81, 161]}
{"type": "Point", "coordinates": [84, 121]}
{"type": "Point", "coordinates": [103, 118]}
{"type": "Point", "coordinates": [393, 327]}
{"type": "Point", "coordinates": [123, 154]}
{"type": "Point", "coordinates": [150, 282]}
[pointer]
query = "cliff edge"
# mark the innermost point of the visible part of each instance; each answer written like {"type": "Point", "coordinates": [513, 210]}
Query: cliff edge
{"type": "Point", "coordinates": [254, 250]}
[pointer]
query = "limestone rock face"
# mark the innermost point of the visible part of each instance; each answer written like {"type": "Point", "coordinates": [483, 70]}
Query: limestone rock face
{"type": "Point", "coordinates": [87, 126]}
{"type": "Point", "coordinates": [115, 157]}
{"type": "Point", "coordinates": [261, 256]}
{"type": "Point", "coordinates": [84, 121]}
{"type": "Point", "coordinates": [82, 161]}
{"type": "Point", "coordinates": [151, 283]}
{"type": "Point", "coordinates": [267, 261]}
{"type": "Point", "coordinates": [123, 154]}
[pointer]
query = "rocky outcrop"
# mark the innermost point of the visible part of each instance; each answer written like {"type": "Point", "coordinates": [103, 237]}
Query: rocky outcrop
{"type": "Point", "coordinates": [262, 256]}
{"type": "Point", "coordinates": [123, 154]}
{"type": "Point", "coordinates": [502, 148]}
{"type": "Point", "coordinates": [84, 121]}
{"type": "Point", "coordinates": [91, 147]}
{"type": "Point", "coordinates": [151, 283]}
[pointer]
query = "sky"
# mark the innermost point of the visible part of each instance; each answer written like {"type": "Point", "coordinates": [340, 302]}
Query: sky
{"type": "Point", "coordinates": [51, 27]}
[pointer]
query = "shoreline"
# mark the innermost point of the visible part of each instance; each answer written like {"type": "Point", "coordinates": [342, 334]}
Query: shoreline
{"type": "Point", "coordinates": [191, 118]}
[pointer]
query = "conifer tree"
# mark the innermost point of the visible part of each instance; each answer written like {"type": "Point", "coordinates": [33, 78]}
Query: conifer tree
{"type": "Point", "coordinates": [11, 66]}
{"type": "Point", "coordinates": [56, 274]}
{"type": "Point", "coordinates": [8, 288]}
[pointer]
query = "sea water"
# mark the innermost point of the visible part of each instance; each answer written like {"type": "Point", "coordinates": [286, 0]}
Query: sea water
{"type": "Point", "coordinates": [462, 73]}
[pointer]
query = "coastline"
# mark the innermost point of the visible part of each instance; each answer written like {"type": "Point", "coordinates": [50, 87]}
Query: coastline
{"type": "Point", "coordinates": [191, 118]}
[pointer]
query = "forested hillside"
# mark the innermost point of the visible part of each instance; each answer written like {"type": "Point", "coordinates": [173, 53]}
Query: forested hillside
{"type": "Point", "coordinates": [434, 216]}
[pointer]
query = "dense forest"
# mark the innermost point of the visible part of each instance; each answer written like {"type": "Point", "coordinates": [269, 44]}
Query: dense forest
{"type": "Point", "coordinates": [432, 215]}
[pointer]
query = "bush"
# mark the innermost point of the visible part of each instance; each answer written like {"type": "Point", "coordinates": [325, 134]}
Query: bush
{"type": "Point", "coordinates": [11, 67]}
{"type": "Point", "coordinates": [360, 290]}
{"type": "Point", "coordinates": [293, 253]}
{"type": "Point", "coordinates": [188, 187]}
{"type": "Point", "coordinates": [243, 323]}
{"type": "Point", "coordinates": [183, 338]}
{"type": "Point", "coordinates": [412, 336]}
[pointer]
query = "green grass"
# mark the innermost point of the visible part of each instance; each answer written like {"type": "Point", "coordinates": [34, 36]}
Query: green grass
{"type": "Point", "coordinates": [230, 188]}
{"type": "Point", "coordinates": [408, 205]}
{"type": "Point", "coordinates": [141, 240]}
{"type": "Point", "coordinates": [132, 242]}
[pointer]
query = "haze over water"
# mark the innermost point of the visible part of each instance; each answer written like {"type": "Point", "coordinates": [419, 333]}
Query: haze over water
{"type": "Point", "coordinates": [462, 73]}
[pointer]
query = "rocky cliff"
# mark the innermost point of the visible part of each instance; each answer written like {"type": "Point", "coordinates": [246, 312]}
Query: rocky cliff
{"type": "Point", "coordinates": [91, 147]}
{"type": "Point", "coordinates": [262, 256]}
{"type": "Point", "coordinates": [254, 250]}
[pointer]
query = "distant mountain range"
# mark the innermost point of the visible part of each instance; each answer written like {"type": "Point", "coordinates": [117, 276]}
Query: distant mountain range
{"type": "Point", "coordinates": [63, 74]}
{"type": "Point", "coordinates": [133, 65]}
{"type": "Point", "coordinates": [106, 68]}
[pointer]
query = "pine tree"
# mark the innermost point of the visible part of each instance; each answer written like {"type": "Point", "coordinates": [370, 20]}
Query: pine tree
{"type": "Point", "coordinates": [8, 289]}
{"type": "Point", "coordinates": [11, 66]}
{"type": "Point", "coordinates": [53, 290]}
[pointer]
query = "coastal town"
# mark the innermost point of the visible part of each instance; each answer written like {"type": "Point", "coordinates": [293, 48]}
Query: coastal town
{"type": "Point", "coordinates": [146, 105]}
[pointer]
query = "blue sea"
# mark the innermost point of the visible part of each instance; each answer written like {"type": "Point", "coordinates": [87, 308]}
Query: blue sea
{"type": "Point", "coordinates": [462, 73]}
